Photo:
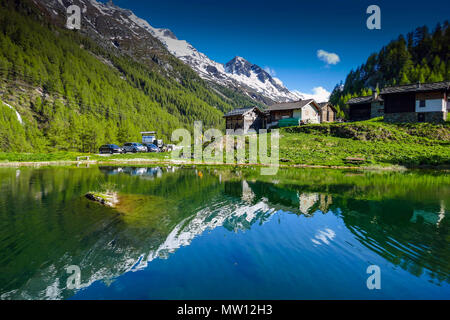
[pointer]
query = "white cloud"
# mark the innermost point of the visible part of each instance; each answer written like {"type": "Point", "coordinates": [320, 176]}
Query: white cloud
{"type": "Point", "coordinates": [328, 57]}
{"type": "Point", "coordinates": [319, 94]}
{"type": "Point", "coordinates": [324, 237]}
{"type": "Point", "coordinates": [270, 71]}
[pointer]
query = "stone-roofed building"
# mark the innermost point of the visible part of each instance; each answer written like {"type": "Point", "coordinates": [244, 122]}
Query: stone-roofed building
{"type": "Point", "coordinates": [245, 119]}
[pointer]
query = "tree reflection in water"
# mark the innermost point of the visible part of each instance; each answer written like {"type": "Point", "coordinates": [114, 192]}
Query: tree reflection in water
{"type": "Point", "coordinates": [47, 225]}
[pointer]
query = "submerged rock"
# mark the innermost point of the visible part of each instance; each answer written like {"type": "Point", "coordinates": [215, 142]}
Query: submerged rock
{"type": "Point", "coordinates": [109, 199]}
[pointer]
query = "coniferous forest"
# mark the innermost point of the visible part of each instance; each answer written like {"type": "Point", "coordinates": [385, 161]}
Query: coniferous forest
{"type": "Point", "coordinates": [74, 95]}
{"type": "Point", "coordinates": [420, 56]}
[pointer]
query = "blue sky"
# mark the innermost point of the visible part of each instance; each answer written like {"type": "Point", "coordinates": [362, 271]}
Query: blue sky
{"type": "Point", "coordinates": [286, 35]}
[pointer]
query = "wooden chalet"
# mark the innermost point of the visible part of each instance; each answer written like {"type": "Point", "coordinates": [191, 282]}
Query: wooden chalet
{"type": "Point", "coordinates": [365, 107]}
{"type": "Point", "coordinates": [245, 119]}
{"type": "Point", "coordinates": [427, 102]}
{"type": "Point", "coordinates": [328, 113]}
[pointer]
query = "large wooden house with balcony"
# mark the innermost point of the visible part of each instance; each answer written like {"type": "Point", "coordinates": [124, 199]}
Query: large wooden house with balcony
{"type": "Point", "coordinates": [422, 102]}
{"type": "Point", "coordinates": [293, 113]}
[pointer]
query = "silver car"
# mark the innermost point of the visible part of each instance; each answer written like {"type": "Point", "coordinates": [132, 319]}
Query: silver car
{"type": "Point", "coordinates": [134, 147]}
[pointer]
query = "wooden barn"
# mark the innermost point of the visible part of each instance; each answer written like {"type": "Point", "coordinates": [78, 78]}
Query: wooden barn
{"type": "Point", "coordinates": [327, 112]}
{"type": "Point", "coordinates": [245, 119]}
{"type": "Point", "coordinates": [366, 107]}
{"type": "Point", "coordinates": [426, 102]}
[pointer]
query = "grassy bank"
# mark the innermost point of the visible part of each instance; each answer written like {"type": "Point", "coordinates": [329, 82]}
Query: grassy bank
{"type": "Point", "coordinates": [378, 143]}
{"type": "Point", "coordinates": [72, 156]}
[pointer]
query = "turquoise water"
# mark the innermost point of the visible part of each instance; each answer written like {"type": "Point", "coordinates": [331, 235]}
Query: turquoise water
{"type": "Point", "coordinates": [210, 233]}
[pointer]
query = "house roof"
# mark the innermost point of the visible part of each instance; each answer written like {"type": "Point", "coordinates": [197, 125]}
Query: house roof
{"type": "Point", "coordinates": [360, 100]}
{"type": "Point", "coordinates": [324, 104]}
{"type": "Point", "coordinates": [241, 111]}
{"type": "Point", "coordinates": [418, 87]}
{"type": "Point", "coordinates": [364, 99]}
{"type": "Point", "coordinates": [291, 105]}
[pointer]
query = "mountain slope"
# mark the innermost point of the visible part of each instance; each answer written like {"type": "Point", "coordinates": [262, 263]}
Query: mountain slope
{"type": "Point", "coordinates": [237, 73]}
{"type": "Point", "coordinates": [123, 29]}
{"type": "Point", "coordinates": [75, 94]}
{"type": "Point", "coordinates": [114, 29]}
{"type": "Point", "coordinates": [421, 56]}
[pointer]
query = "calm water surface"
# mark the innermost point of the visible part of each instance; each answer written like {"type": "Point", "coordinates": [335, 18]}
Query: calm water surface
{"type": "Point", "coordinates": [208, 233]}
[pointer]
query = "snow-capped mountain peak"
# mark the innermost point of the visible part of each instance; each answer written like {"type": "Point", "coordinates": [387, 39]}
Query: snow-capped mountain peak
{"type": "Point", "coordinates": [125, 30]}
{"type": "Point", "coordinates": [257, 78]}
{"type": "Point", "coordinates": [238, 72]}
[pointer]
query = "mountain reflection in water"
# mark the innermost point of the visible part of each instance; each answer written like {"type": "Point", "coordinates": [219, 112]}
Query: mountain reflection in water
{"type": "Point", "coordinates": [47, 225]}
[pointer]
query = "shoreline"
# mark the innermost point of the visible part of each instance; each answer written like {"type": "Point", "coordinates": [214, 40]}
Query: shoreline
{"type": "Point", "coordinates": [38, 164]}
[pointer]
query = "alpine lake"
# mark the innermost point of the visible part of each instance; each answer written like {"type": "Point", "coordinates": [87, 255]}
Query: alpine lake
{"type": "Point", "coordinates": [224, 233]}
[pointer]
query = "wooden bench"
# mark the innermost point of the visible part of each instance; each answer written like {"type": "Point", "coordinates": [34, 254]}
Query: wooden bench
{"type": "Point", "coordinates": [83, 158]}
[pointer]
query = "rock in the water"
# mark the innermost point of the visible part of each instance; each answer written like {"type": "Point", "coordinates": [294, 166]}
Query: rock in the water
{"type": "Point", "coordinates": [108, 199]}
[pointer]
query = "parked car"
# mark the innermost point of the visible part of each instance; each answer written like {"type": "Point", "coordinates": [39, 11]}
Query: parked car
{"type": "Point", "coordinates": [151, 147]}
{"type": "Point", "coordinates": [110, 148]}
{"type": "Point", "coordinates": [134, 147]}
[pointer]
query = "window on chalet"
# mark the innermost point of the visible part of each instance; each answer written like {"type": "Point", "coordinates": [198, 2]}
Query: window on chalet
{"type": "Point", "coordinates": [422, 103]}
